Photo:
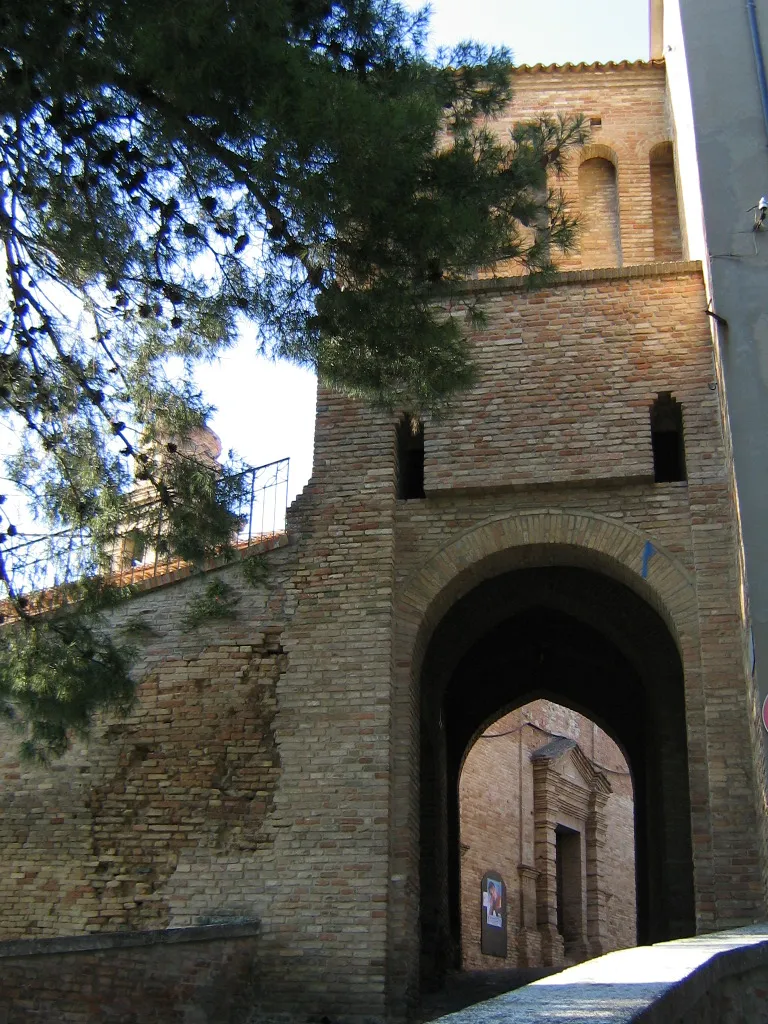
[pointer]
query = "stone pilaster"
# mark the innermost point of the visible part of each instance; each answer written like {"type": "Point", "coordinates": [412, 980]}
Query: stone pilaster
{"type": "Point", "coordinates": [597, 897]}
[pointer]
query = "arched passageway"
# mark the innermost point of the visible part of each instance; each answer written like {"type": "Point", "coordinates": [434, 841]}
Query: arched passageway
{"type": "Point", "coordinates": [581, 638]}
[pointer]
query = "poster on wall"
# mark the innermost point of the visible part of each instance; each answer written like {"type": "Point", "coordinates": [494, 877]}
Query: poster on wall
{"type": "Point", "coordinates": [493, 915]}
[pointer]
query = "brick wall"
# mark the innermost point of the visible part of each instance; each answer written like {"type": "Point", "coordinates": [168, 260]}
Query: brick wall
{"type": "Point", "coordinates": [252, 777]}
{"type": "Point", "coordinates": [628, 101]}
{"type": "Point", "coordinates": [567, 376]}
{"type": "Point", "coordinates": [108, 838]}
{"type": "Point", "coordinates": [208, 975]}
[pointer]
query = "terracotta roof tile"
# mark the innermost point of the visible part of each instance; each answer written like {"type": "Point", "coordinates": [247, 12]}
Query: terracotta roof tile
{"type": "Point", "coordinates": [610, 65]}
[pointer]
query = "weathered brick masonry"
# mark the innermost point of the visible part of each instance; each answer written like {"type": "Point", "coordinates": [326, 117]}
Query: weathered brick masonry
{"type": "Point", "coordinates": [143, 826]}
{"type": "Point", "coordinates": [298, 764]}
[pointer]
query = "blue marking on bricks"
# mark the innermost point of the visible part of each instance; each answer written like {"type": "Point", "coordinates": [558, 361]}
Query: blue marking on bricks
{"type": "Point", "coordinates": [648, 552]}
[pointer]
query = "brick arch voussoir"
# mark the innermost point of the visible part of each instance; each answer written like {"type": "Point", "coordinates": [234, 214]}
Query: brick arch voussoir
{"type": "Point", "coordinates": [662, 146]}
{"type": "Point", "coordinates": [598, 151]}
{"type": "Point", "coordinates": [579, 538]}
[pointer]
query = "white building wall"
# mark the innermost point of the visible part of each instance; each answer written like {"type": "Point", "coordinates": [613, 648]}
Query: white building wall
{"type": "Point", "coordinates": [722, 149]}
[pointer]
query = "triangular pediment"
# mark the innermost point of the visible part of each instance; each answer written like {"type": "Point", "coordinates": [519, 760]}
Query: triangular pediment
{"type": "Point", "coordinates": [567, 754]}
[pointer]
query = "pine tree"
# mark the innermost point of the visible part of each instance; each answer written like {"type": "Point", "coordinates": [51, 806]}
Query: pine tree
{"type": "Point", "coordinates": [173, 174]}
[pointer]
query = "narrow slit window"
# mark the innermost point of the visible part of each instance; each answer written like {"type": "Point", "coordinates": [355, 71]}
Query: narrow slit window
{"type": "Point", "coordinates": [667, 439]}
{"type": "Point", "coordinates": [410, 458]}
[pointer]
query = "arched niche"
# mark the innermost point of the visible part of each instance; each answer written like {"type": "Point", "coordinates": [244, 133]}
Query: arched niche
{"type": "Point", "coordinates": [667, 239]}
{"type": "Point", "coordinates": [599, 225]}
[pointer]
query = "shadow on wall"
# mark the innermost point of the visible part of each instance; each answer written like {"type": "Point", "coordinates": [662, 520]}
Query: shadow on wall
{"type": "Point", "coordinates": [667, 239]}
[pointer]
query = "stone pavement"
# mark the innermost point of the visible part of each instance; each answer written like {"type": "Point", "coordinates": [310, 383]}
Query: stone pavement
{"type": "Point", "coordinates": [716, 978]}
{"type": "Point", "coordinates": [465, 988]}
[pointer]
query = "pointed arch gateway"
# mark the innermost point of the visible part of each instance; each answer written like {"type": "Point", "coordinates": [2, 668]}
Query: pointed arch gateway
{"type": "Point", "coordinates": [577, 608]}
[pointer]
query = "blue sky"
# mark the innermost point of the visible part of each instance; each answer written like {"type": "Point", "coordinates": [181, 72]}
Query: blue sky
{"type": "Point", "coordinates": [548, 31]}
{"type": "Point", "coordinates": [266, 410]}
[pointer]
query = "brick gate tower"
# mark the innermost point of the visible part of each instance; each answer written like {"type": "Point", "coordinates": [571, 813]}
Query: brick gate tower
{"type": "Point", "coordinates": [566, 531]}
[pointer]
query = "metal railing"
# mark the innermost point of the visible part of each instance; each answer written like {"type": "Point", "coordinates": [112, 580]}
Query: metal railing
{"type": "Point", "coordinates": [44, 566]}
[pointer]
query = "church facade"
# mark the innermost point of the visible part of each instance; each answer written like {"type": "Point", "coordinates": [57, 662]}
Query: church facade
{"type": "Point", "coordinates": [546, 807]}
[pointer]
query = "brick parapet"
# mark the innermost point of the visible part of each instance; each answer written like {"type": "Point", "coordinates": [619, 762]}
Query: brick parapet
{"type": "Point", "coordinates": [713, 978]}
{"type": "Point", "coordinates": [126, 940]}
{"type": "Point", "coordinates": [207, 973]}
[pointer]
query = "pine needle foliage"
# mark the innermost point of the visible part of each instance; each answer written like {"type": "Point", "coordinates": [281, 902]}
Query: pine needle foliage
{"type": "Point", "coordinates": [54, 675]}
{"type": "Point", "coordinates": [218, 600]}
{"type": "Point", "coordinates": [255, 570]}
{"type": "Point", "coordinates": [172, 175]}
